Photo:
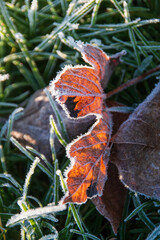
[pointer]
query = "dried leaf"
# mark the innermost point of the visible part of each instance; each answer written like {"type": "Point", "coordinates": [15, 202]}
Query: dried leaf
{"type": "Point", "coordinates": [33, 127]}
{"type": "Point", "coordinates": [78, 89]}
{"type": "Point", "coordinates": [117, 117]}
{"type": "Point", "coordinates": [136, 151]}
{"type": "Point", "coordinates": [89, 155]}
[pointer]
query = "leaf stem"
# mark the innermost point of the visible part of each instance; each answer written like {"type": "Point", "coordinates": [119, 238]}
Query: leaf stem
{"type": "Point", "coordinates": [133, 81]}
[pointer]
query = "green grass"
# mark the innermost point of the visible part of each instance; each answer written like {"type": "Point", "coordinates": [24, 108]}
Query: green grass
{"type": "Point", "coordinates": [34, 46]}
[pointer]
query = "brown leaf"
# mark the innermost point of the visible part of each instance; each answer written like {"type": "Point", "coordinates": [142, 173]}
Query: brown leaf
{"type": "Point", "coordinates": [33, 127]}
{"type": "Point", "coordinates": [136, 151]}
{"type": "Point", "coordinates": [117, 117]}
{"type": "Point", "coordinates": [111, 203]}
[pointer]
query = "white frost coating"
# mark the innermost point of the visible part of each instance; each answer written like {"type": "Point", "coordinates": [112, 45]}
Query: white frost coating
{"type": "Point", "coordinates": [18, 36]}
{"type": "Point", "coordinates": [50, 237]}
{"type": "Point", "coordinates": [23, 8]}
{"type": "Point", "coordinates": [61, 54]}
{"type": "Point", "coordinates": [61, 35]}
{"type": "Point", "coordinates": [62, 181]}
{"type": "Point", "coordinates": [71, 7]}
{"type": "Point", "coordinates": [37, 212]}
{"type": "Point", "coordinates": [72, 26]}
{"type": "Point", "coordinates": [4, 77]}
{"type": "Point", "coordinates": [154, 92]}
{"type": "Point", "coordinates": [96, 41]}
{"type": "Point", "coordinates": [125, 5]}
{"type": "Point", "coordinates": [58, 172]}
{"type": "Point", "coordinates": [71, 41]}
{"type": "Point", "coordinates": [120, 109]}
{"type": "Point", "coordinates": [119, 54]}
{"type": "Point", "coordinates": [154, 20]}
{"type": "Point", "coordinates": [21, 203]}
{"type": "Point", "coordinates": [79, 45]}
{"type": "Point", "coordinates": [28, 177]}
{"type": "Point", "coordinates": [34, 5]}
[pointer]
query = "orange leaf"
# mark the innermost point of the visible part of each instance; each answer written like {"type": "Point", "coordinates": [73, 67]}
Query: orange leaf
{"type": "Point", "coordinates": [79, 88]}
{"type": "Point", "coordinates": [90, 155]}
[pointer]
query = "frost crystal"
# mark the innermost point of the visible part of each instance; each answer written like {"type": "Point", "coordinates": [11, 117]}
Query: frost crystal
{"type": "Point", "coordinates": [34, 5]}
{"type": "Point", "coordinates": [37, 212]}
{"type": "Point", "coordinates": [4, 77]}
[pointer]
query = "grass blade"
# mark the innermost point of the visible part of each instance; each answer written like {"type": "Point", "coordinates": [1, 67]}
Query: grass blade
{"type": "Point", "coordinates": [75, 17]}
{"type": "Point", "coordinates": [28, 178]}
{"type": "Point", "coordinates": [73, 209]}
{"type": "Point", "coordinates": [136, 210]}
{"type": "Point", "coordinates": [56, 183]}
{"type": "Point", "coordinates": [131, 32]}
{"type": "Point", "coordinates": [57, 115]}
{"type": "Point", "coordinates": [57, 132]}
{"type": "Point", "coordinates": [95, 12]}
{"type": "Point", "coordinates": [142, 214]}
{"type": "Point", "coordinates": [21, 43]}
{"type": "Point", "coordinates": [154, 234]}
{"type": "Point", "coordinates": [25, 152]}
{"type": "Point", "coordinates": [85, 234]}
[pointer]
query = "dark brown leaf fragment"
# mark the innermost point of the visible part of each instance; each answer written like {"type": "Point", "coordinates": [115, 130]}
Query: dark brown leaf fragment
{"type": "Point", "coordinates": [111, 203]}
{"type": "Point", "coordinates": [33, 127]}
{"type": "Point", "coordinates": [136, 151]}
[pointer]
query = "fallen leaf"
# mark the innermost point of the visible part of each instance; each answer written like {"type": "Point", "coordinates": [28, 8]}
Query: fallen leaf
{"type": "Point", "coordinates": [117, 117]}
{"type": "Point", "coordinates": [36, 120]}
{"type": "Point", "coordinates": [89, 155]}
{"type": "Point", "coordinates": [136, 151]}
{"type": "Point", "coordinates": [78, 89]}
